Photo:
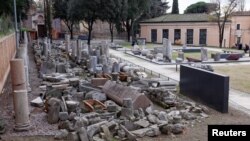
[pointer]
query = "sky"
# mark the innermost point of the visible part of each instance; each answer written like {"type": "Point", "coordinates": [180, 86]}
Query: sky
{"type": "Point", "coordinates": [183, 4]}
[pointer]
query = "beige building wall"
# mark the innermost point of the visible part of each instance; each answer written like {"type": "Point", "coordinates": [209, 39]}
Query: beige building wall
{"type": "Point", "coordinates": [243, 32]}
{"type": "Point", "coordinates": [212, 32]}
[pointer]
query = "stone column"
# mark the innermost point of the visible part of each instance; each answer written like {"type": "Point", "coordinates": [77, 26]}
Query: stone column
{"type": "Point", "coordinates": [79, 50]}
{"type": "Point", "coordinates": [17, 72]}
{"type": "Point", "coordinates": [143, 44]}
{"type": "Point", "coordinates": [93, 63]}
{"type": "Point", "coordinates": [21, 109]}
{"type": "Point", "coordinates": [167, 49]}
{"type": "Point", "coordinates": [45, 48]}
{"type": "Point", "coordinates": [67, 42]}
{"type": "Point", "coordinates": [25, 37]}
{"type": "Point", "coordinates": [204, 56]}
{"type": "Point", "coordinates": [106, 68]}
{"type": "Point", "coordinates": [74, 46]}
{"type": "Point", "coordinates": [22, 54]}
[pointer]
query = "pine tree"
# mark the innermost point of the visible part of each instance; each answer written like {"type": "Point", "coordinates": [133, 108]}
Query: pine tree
{"type": "Point", "coordinates": [175, 7]}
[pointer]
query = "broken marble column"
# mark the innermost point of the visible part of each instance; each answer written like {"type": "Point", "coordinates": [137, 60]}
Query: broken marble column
{"type": "Point", "coordinates": [204, 56]}
{"type": "Point", "coordinates": [143, 44]}
{"type": "Point", "coordinates": [67, 42]}
{"type": "Point", "coordinates": [17, 72]}
{"type": "Point", "coordinates": [167, 49]}
{"type": "Point", "coordinates": [21, 109]}
{"type": "Point", "coordinates": [49, 45]}
{"type": "Point", "coordinates": [22, 54]}
{"type": "Point", "coordinates": [116, 67]}
{"type": "Point", "coordinates": [79, 50]}
{"type": "Point", "coordinates": [74, 46]}
{"type": "Point", "coordinates": [93, 64]}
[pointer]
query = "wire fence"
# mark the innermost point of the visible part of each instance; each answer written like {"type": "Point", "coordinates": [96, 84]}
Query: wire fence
{"type": "Point", "coordinates": [148, 71]}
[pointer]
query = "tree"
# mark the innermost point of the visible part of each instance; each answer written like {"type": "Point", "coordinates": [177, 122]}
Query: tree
{"type": "Point", "coordinates": [175, 7]}
{"type": "Point", "coordinates": [111, 13]}
{"type": "Point", "coordinates": [62, 11]}
{"type": "Point", "coordinates": [200, 7]}
{"type": "Point", "coordinates": [241, 5]}
{"type": "Point", "coordinates": [133, 10]}
{"type": "Point", "coordinates": [157, 8]}
{"type": "Point", "coordinates": [86, 12]}
{"type": "Point", "coordinates": [222, 14]}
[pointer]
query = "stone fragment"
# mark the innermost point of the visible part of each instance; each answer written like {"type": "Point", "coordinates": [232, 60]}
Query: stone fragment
{"type": "Point", "coordinates": [72, 115]}
{"type": "Point", "coordinates": [98, 81]}
{"type": "Point", "coordinates": [130, 136]}
{"type": "Point", "coordinates": [37, 102]}
{"type": "Point", "coordinates": [81, 122]}
{"type": "Point", "coordinates": [63, 116]}
{"type": "Point", "coordinates": [95, 128]}
{"type": "Point", "coordinates": [154, 131]}
{"type": "Point", "coordinates": [188, 116]}
{"type": "Point", "coordinates": [66, 125]}
{"type": "Point", "coordinates": [53, 110]}
{"type": "Point", "coordinates": [72, 136]}
{"type": "Point", "coordinates": [121, 133]}
{"type": "Point", "coordinates": [96, 96]}
{"type": "Point", "coordinates": [142, 123]}
{"type": "Point", "coordinates": [152, 118]}
{"type": "Point", "coordinates": [62, 134]}
{"type": "Point", "coordinates": [178, 128]}
{"type": "Point", "coordinates": [83, 135]}
{"type": "Point", "coordinates": [163, 116]}
{"type": "Point", "coordinates": [166, 129]}
{"type": "Point", "coordinates": [107, 134]}
{"type": "Point", "coordinates": [72, 105]}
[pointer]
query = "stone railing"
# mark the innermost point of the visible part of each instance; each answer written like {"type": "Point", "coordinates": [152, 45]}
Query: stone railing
{"type": "Point", "coordinates": [7, 52]}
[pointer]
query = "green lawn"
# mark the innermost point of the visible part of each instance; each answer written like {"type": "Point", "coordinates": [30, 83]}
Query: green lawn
{"type": "Point", "coordinates": [239, 76]}
{"type": "Point", "coordinates": [196, 55]}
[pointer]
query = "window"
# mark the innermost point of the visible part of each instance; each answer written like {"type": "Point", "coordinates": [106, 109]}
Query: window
{"type": "Point", "coordinates": [190, 36]}
{"type": "Point", "coordinates": [238, 27]}
{"type": "Point", "coordinates": [177, 34]}
{"type": "Point", "coordinates": [153, 35]}
{"type": "Point", "coordinates": [165, 33]}
{"type": "Point", "coordinates": [203, 36]}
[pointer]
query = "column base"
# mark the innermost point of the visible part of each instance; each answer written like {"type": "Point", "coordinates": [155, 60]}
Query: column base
{"type": "Point", "coordinates": [23, 127]}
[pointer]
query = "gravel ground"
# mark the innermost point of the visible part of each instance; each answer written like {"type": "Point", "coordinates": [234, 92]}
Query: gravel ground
{"type": "Point", "coordinates": [42, 131]}
{"type": "Point", "coordinates": [39, 124]}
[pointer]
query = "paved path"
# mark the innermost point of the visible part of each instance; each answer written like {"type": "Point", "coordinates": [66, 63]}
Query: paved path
{"type": "Point", "coordinates": [238, 100]}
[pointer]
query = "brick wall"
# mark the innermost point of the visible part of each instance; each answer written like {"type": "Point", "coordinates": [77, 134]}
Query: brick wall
{"type": "Point", "coordinates": [7, 52]}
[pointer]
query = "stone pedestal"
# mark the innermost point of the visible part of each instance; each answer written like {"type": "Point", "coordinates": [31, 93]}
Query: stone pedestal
{"type": "Point", "coordinates": [17, 72]}
{"type": "Point", "coordinates": [79, 50]}
{"type": "Point", "coordinates": [67, 43]}
{"type": "Point", "coordinates": [93, 63]}
{"type": "Point", "coordinates": [167, 49]}
{"type": "Point", "coordinates": [204, 56]}
{"type": "Point", "coordinates": [21, 108]}
{"type": "Point", "coordinates": [217, 57]}
{"type": "Point", "coordinates": [74, 49]}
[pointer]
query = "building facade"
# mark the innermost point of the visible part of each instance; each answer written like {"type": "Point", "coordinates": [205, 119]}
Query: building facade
{"type": "Point", "coordinates": [196, 30]}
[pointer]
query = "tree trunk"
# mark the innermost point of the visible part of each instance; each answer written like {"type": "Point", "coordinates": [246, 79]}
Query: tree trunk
{"type": "Point", "coordinates": [128, 28]}
{"type": "Point", "coordinates": [111, 27]}
{"type": "Point", "coordinates": [90, 24]}
{"type": "Point", "coordinates": [71, 33]}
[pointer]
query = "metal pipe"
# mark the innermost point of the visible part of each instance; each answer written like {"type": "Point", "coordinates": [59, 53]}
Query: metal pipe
{"type": "Point", "coordinates": [16, 31]}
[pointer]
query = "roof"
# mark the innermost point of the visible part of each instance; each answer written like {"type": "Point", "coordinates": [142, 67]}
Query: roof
{"type": "Point", "coordinates": [171, 18]}
{"type": "Point", "coordinates": [241, 13]}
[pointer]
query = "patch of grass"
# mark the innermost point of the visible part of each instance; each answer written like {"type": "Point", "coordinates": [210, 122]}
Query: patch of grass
{"type": "Point", "coordinates": [239, 76]}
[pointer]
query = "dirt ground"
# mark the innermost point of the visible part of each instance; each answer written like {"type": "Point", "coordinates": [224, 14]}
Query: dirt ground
{"type": "Point", "coordinates": [42, 131]}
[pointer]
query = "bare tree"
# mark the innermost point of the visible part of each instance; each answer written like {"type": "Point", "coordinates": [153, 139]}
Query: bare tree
{"type": "Point", "coordinates": [241, 5]}
{"type": "Point", "coordinates": [222, 15]}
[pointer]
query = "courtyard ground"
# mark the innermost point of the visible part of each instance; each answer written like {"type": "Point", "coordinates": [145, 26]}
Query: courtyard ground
{"type": "Point", "coordinates": [239, 76]}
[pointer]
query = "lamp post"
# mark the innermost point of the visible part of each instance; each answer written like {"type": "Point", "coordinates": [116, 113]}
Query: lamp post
{"type": "Point", "coordinates": [16, 31]}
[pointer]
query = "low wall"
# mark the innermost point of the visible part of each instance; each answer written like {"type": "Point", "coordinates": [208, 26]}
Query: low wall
{"type": "Point", "coordinates": [7, 52]}
{"type": "Point", "coordinates": [207, 87]}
